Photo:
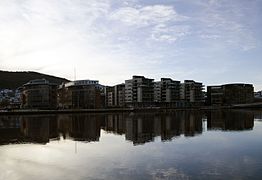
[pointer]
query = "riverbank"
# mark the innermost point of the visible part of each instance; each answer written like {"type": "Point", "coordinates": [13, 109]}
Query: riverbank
{"type": "Point", "coordinates": [113, 110]}
{"type": "Point", "coordinates": [72, 111]}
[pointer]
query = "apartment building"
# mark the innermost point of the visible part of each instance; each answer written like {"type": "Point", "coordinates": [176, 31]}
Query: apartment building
{"type": "Point", "coordinates": [139, 90]}
{"type": "Point", "coordinates": [191, 91]}
{"type": "Point", "coordinates": [167, 90]}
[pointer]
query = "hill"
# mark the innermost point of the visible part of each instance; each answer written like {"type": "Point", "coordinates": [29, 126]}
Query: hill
{"type": "Point", "coordinates": [13, 80]}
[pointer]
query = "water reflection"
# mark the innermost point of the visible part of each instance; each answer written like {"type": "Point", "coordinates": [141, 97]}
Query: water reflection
{"type": "Point", "coordinates": [230, 120]}
{"type": "Point", "coordinates": [139, 128]}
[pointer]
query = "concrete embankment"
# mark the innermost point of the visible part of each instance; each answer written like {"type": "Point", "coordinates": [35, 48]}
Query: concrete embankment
{"type": "Point", "coordinates": [64, 111]}
{"type": "Point", "coordinates": [72, 111]}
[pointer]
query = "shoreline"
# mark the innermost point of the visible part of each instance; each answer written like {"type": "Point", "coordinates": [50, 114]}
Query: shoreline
{"type": "Point", "coordinates": [114, 110]}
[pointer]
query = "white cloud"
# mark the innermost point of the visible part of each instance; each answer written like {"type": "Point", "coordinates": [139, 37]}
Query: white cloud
{"type": "Point", "coordinates": [112, 39]}
{"type": "Point", "coordinates": [147, 15]}
{"type": "Point", "coordinates": [165, 33]}
{"type": "Point", "coordinates": [155, 21]}
{"type": "Point", "coordinates": [225, 23]}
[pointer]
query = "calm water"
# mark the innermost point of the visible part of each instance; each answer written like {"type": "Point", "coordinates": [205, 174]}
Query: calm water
{"type": "Point", "coordinates": [179, 145]}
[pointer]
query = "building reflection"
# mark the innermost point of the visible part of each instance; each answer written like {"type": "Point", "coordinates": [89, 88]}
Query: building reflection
{"type": "Point", "coordinates": [230, 120]}
{"type": "Point", "coordinates": [138, 128]}
{"type": "Point", "coordinates": [10, 129]}
{"type": "Point", "coordinates": [187, 123]}
{"type": "Point", "coordinates": [85, 127]}
{"type": "Point", "coordinates": [142, 128]}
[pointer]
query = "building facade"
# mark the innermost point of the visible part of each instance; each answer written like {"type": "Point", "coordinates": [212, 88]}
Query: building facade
{"type": "Point", "coordinates": [139, 90]}
{"type": "Point", "coordinates": [229, 94]}
{"type": "Point", "coordinates": [81, 94]}
{"type": "Point", "coordinates": [115, 95]}
{"type": "Point", "coordinates": [192, 91]}
{"type": "Point", "coordinates": [167, 90]}
{"type": "Point", "coordinates": [39, 94]}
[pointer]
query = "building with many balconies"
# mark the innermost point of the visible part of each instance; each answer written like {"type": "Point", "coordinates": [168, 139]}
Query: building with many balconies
{"type": "Point", "coordinates": [192, 91]}
{"type": "Point", "coordinates": [139, 90]}
{"type": "Point", "coordinates": [167, 90]}
{"type": "Point", "coordinates": [115, 95]}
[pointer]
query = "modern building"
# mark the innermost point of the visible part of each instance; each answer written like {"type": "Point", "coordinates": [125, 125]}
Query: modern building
{"type": "Point", "coordinates": [167, 90]}
{"type": "Point", "coordinates": [215, 95]}
{"type": "Point", "coordinates": [40, 94]}
{"type": "Point", "coordinates": [229, 94]}
{"type": "Point", "coordinates": [81, 94]}
{"type": "Point", "coordinates": [115, 95]}
{"type": "Point", "coordinates": [192, 91]}
{"type": "Point", "coordinates": [139, 90]}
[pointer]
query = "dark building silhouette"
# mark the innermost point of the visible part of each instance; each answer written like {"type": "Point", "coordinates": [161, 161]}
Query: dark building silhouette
{"type": "Point", "coordinates": [167, 90]}
{"type": "Point", "coordinates": [192, 91]}
{"type": "Point", "coordinates": [84, 94]}
{"type": "Point", "coordinates": [229, 94]}
{"type": "Point", "coordinates": [39, 94]}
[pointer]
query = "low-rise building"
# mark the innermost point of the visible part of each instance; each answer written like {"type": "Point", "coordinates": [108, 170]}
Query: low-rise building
{"type": "Point", "coordinates": [39, 94]}
{"type": "Point", "coordinates": [229, 94]}
{"type": "Point", "coordinates": [81, 94]}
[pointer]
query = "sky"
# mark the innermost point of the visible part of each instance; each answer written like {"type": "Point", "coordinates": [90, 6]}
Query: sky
{"type": "Point", "coordinates": [211, 41]}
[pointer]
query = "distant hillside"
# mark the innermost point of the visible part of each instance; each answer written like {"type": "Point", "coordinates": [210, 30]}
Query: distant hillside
{"type": "Point", "coordinates": [13, 80]}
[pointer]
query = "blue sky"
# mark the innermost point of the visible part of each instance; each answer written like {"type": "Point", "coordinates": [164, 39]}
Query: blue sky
{"type": "Point", "coordinates": [212, 41]}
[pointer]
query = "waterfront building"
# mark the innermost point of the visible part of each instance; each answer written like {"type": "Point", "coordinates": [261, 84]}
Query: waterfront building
{"type": "Point", "coordinates": [192, 91]}
{"type": "Point", "coordinates": [115, 95]}
{"type": "Point", "coordinates": [167, 90]}
{"type": "Point", "coordinates": [110, 96]}
{"type": "Point", "coordinates": [229, 94]}
{"type": "Point", "coordinates": [81, 94]}
{"type": "Point", "coordinates": [215, 95]}
{"type": "Point", "coordinates": [39, 94]}
{"type": "Point", "coordinates": [139, 90]}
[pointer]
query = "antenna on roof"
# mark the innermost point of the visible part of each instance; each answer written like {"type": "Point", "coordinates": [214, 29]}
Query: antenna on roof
{"type": "Point", "coordinates": [74, 73]}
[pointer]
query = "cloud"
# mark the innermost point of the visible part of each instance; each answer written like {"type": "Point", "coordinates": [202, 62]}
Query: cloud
{"type": "Point", "coordinates": [146, 15]}
{"type": "Point", "coordinates": [170, 34]}
{"type": "Point", "coordinates": [226, 23]}
{"type": "Point", "coordinates": [155, 21]}
{"type": "Point", "coordinates": [115, 38]}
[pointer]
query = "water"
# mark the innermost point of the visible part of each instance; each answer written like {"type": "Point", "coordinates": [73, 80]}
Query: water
{"type": "Point", "coordinates": [178, 145]}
